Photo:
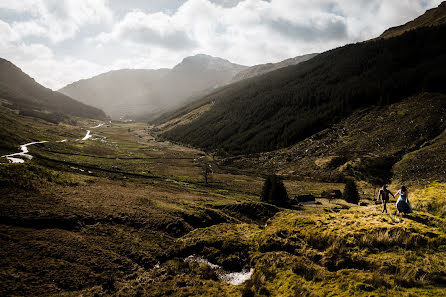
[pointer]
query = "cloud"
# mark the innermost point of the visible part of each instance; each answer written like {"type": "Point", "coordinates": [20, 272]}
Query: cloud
{"type": "Point", "coordinates": [257, 31]}
{"type": "Point", "coordinates": [59, 41]}
{"type": "Point", "coordinates": [57, 20]}
{"type": "Point", "coordinates": [333, 28]}
{"type": "Point", "coordinates": [157, 29]}
{"type": "Point", "coordinates": [247, 32]}
{"type": "Point", "coordinates": [7, 35]}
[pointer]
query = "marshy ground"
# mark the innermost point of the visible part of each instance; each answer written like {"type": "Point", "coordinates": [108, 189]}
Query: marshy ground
{"type": "Point", "coordinates": [118, 213]}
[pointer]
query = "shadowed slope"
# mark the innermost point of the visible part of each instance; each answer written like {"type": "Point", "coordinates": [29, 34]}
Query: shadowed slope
{"type": "Point", "coordinates": [284, 106]}
{"type": "Point", "coordinates": [27, 95]}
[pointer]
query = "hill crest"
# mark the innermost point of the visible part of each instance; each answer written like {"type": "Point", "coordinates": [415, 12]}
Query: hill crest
{"type": "Point", "coordinates": [25, 94]}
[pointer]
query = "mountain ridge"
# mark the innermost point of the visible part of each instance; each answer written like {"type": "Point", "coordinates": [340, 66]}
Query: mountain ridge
{"type": "Point", "coordinates": [268, 67]}
{"type": "Point", "coordinates": [432, 17]}
{"type": "Point", "coordinates": [143, 96]}
{"type": "Point", "coordinates": [27, 95]}
{"type": "Point", "coordinates": [282, 107]}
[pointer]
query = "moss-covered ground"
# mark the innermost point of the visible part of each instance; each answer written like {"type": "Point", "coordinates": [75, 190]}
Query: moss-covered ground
{"type": "Point", "coordinates": [117, 214]}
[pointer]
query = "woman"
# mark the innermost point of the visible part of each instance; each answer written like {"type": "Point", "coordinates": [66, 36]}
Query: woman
{"type": "Point", "coordinates": [403, 204]}
{"type": "Point", "coordinates": [384, 195]}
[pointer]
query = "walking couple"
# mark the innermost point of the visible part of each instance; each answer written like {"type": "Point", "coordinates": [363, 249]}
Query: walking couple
{"type": "Point", "coordinates": [402, 204]}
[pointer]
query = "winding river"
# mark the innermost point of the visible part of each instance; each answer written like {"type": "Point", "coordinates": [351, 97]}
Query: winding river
{"type": "Point", "coordinates": [88, 135]}
{"type": "Point", "coordinates": [12, 158]}
{"type": "Point", "coordinates": [21, 156]}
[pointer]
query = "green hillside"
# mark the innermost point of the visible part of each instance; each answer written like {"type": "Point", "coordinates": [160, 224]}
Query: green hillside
{"type": "Point", "coordinates": [403, 142]}
{"type": "Point", "coordinates": [283, 107]}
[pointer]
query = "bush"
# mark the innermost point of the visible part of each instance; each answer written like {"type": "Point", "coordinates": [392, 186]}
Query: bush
{"type": "Point", "coordinates": [274, 191]}
{"type": "Point", "coordinates": [351, 194]}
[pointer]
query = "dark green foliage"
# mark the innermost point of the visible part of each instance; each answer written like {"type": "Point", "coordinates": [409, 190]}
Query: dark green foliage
{"type": "Point", "coordinates": [274, 191]}
{"type": "Point", "coordinates": [377, 171]}
{"type": "Point", "coordinates": [52, 117]}
{"type": "Point", "coordinates": [285, 106]}
{"type": "Point", "coordinates": [351, 194]}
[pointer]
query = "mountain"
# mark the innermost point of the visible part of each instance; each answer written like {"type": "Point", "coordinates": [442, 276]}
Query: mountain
{"type": "Point", "coordinates": [142, 93]}
{"type": "Point", "coordinates": [432, 17]}
{"type": "Point", "coordinates": [285, 106]}
{"type": "Point", "coordinates": [31, 98]}
{"type": "Point", "coordinates": [201, 72]}
{"type": "Point", "coordinates": [264, 68]}
{"type": "Point", "coordinates": [120, 92]}
{"type": "Point", "coordinates": [404, 141]}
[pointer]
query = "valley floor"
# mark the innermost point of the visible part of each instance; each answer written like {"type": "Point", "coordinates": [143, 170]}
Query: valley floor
{"type": "Point", "coordinates": [118, 214]}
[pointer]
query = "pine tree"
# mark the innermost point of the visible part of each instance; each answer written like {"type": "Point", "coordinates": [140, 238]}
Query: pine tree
{"type": "Point", "coordinates": [351, 194]}
{"type": "Point", "coordinates": [266, 190]}
{"type": "Point", "coordinates": [274, 191]}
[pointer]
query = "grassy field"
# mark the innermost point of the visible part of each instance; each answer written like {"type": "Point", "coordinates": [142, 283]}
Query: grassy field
{"type": "Point", "coordinates": [118, 214]}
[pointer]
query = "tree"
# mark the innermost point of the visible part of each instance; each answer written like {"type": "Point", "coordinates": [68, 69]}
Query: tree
{"type": "Point", "coordinates": [351, 194]}
{"type": "Point", "coordinates": [206, 171]}
{"type": "Point", "coordinates": [274, 191]}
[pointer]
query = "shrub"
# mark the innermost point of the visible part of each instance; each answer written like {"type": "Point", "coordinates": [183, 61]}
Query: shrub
{"type": "Point", "coordinates": [274, 191]}
{"type": "Point", "coordinates": [351, 194]}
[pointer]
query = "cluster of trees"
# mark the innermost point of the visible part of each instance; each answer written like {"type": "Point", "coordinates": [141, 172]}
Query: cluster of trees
{"type": "Point", "coordinates": [282, 107]}
{"type": "Point", "coordinates": [274, 191]}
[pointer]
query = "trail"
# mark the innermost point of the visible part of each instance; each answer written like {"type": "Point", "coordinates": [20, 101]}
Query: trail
{"type": "Point", "coordinates": [21, 156]}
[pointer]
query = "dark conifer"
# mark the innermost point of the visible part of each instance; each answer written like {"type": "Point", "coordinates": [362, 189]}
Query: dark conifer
{"type": "Point", "coordinates": [274, 191]}
{"type": "Point", "coordinates": [351, 194]}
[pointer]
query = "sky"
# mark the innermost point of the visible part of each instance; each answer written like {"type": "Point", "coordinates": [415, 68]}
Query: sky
{"type": "Point", "coordinates": [61, 41]}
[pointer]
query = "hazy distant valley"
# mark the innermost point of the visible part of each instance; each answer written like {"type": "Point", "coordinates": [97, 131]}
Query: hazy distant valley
{"type": "Point", "coordinates": [172, 203]}
{"type": "Point", "coordinates": [145, 94]}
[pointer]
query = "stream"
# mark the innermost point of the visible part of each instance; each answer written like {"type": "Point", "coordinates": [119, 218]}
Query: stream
{"type": "Point", "coordinates": [88, 135]}
{"type": "Point", "coordinates": [233, 278]}
{"type": "Point", "coordinates": [97, 126]}
{"type": "Point", "coordinates": [23, 154]}
{"type": "Point", "coordinates": [20, 157]}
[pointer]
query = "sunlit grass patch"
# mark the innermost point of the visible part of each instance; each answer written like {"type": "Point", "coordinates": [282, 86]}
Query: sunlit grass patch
{"type": "Point", "coordinates": [431, 198]}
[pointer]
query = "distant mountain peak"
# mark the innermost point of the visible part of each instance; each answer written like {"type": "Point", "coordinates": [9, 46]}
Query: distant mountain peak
{"type": "Point", "coordinates": [208, 62]}
{"type": "Point", "coordinates": [142, 93]}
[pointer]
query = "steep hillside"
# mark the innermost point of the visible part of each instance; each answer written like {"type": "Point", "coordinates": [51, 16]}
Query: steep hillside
{"type": "Point", "coordinates": [285, 106]}
{"type": "Point", "coordinates": [366, 145]}
{"type": "Point", "coordinates": [264, 68]}
{"type": "Point", "coordinates": [432, 17]}
{"type": "Point", "coordinates": [425, 165]}
{"type": "Point", "coordinates": [32, 98]}
{"type": "Point", "coordinates": [141, 94]}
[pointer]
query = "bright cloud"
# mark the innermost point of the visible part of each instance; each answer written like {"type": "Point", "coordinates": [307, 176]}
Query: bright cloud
{"type": "Point", "coordinates": [58, 41]}
{"type": "Point", "coordinates": [56, 20]}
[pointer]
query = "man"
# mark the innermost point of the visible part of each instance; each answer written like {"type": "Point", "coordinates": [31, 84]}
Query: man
{"type": "Point", "coordinates": [384, 195]}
